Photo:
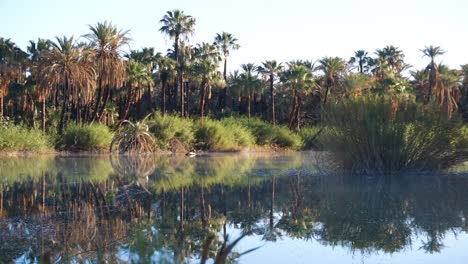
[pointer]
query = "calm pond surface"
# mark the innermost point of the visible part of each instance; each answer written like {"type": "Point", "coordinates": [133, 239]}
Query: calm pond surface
{"type": "Point", "coordinates": [290, 207]}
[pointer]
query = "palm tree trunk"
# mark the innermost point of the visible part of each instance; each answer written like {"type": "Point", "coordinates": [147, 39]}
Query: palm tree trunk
{"type": "Point", "coordinates": [272, 93]}
{"type": "Point", "coordinates": [182, 103]}
{"type": "Point", "coordinates": [1, 106]}
{"type": "Point", "coordinates": [163, 97]}
{"type": "Point", "coordinates": [127, 104]}
{"type": "Point", "coordinates": [326, 95]}
{"type": "Point", "coordinates": [106, 93]}
{"type": "Point", "coordinates": [293, 109]}
{"type": "Point", "coordinates": [43, 115]}
{"type": "Point", "coordinates": [225, 103]}
{"type": "Point", "coordinates": [64, 106]}
{"type": "Point", "coordinates": [98, 100]}
{"type": "Point", "coordinates": [202, 99]}
{"type": "Point", "coordinates": [248, 104]}
{"type": "Point", "coordinates": [148, 94]}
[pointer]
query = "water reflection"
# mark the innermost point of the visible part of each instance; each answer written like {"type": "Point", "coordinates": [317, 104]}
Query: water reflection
{"type": "Point", "coordinates": [163, 209]}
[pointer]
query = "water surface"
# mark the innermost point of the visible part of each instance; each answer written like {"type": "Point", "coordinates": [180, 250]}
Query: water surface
{"type": "Point", "coordinates": [290, 208]}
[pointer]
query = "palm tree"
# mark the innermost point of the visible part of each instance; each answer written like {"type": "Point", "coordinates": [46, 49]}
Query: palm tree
{"type": "Point", "coordinates": [332, 68]}
{"type": "Point", "coordinates": [107, 42]}
{"type": "Point", "coordinates": [148, 59]}
{"type": "Point", "coordinates": [362, 58]}
{"type": "Point", "coordinates": [66, 67]}
{"type": "Point", "coordinates": [447, 88]}
{"type": "Point", "coordinates": [420, 82]}
{"type": "Point", "coordinates": [394, 57]}
{"type": "Point", "coordinates": [271, 69]}
{"type": "Point", "coordinates": [300, 80]}
{"type": "Point", "coordinates": [205, 67]}
{"type": "Point", "coordinates": [36, 50]}
{"type": "Point", "coordinates": [166, 70]}
{"type": "Point", "coordinates": [249, 83]}
{"type": "Point", "coordinates": [432, 52]}
{"type": "Point", "coordinates": [226, 42]}
{"type": "Point", "coordinates": [178, 26]}
{"type": "Point", "coordinates": [7, 50]}
{"type": "Point", "coordinates": [138, 78]}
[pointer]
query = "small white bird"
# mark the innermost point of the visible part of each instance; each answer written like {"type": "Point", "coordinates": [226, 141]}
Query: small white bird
{"type": "Point", "coordinates": [191, 154]}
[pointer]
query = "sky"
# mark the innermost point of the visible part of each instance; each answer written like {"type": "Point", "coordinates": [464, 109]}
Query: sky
{"type": "Point", "coordinates": [277, 29]}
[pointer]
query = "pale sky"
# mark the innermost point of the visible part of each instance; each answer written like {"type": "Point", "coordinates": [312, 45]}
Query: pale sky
{"type": "Point", "coordinates": [282, 30]}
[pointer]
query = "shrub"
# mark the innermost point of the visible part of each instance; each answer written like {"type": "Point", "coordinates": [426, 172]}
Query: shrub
{"type": "Point", "coordinates": [134, 138]}
{"type": "Point", "coordinates": [311, 137]}
{"type": "Point", "coordinates": [266, 134]}
{"type": "Point", "coordinates": [222, 136]}
{"type": "Point", "coordinates": [379, 134]}
{"type": "Point", "coordinates": [18, 138]}
{"type": "Point", "coordinates": [166, 127]}
{"type": "Point", "coordinates": [86, 137]}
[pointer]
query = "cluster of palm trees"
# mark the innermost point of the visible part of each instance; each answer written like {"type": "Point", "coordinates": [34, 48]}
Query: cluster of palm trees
{"type": "Point", "coordinates": [94, 79]}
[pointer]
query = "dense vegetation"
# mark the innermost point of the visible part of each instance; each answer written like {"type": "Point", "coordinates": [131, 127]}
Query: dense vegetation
{"type": "Point", "coordinates": [59, 85]}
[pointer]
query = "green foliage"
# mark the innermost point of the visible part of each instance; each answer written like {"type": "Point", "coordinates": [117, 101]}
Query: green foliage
{"type": "Point", "coordinates": [222, 136]}
{"type": "Point", "coordinates": [267, 134]}
{"type": "Point", "coordinates": [18, 138]}
{"type": "Point", "coordinates": [134, 138]}
{"type": "Point", "coordinates": [311, 137]}
{"type": "Point", "coordinates": [169, 126]}
{"type": "Point", "coordinates": [86, 137]}
{"type": "Point", "coordinates": [376, 133]}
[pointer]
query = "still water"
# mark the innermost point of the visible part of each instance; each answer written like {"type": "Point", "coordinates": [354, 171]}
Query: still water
{"type": "Point", "coordinates": [284, 208]}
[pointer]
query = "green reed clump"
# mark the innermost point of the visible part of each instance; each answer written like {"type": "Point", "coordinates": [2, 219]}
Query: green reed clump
{"type": "Point", "coordinates": [134, 138]}
{"type": "Point", "coordinates": [268, 135]}
{"type": "Point", "coordinates": [380, 134]}
{"type": "Point", "coordinates": [85, 137]}
{"type": "Point", "coordinates": [311, 136]}
{"type": "Point", "coordinates": [18, 138]}
{"type": "Point", "coordinates": [222, 136]}
{"type": "Point", "coordinates": [166, 127]}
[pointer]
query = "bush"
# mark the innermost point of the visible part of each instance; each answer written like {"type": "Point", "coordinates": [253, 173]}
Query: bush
{"type": "Point", "coordinates": [222, 136]}
{"type": "Point", "coordinates": [376, 133]}
{"type": "Point", "coordinates": [311, 137]}
{"type": "Point", "coordinates": [164, 128]}
{"type": "Point", "coordinates": [134, 138]}
{"type": "Point", "coordinates": [267, 135]}
{"type": "Point", "coordinates": [18, 138]}
{"type": "Point", "coordinates": [86, 137]}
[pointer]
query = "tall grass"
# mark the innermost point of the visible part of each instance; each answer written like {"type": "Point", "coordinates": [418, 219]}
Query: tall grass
{"type": "Point", "coordinates": [379, 134]}
{"type": "Point", "coordinates": [267, 134]}
{"type": "Point", "coordinates": [167, 127]}
{"type": "Point", "coordinates": [85, 137]}
{"type": "Point", "coordinates": [222, 136]}
{"type": "Point", "coordinates": [18, 138]}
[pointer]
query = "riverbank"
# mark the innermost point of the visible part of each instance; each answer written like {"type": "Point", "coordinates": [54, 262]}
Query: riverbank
{"type": "Point", "coordinates": [168, 134]}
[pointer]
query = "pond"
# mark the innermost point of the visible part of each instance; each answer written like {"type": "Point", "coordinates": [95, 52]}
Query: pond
{"type": "Point", "coordinates": [280, 208]}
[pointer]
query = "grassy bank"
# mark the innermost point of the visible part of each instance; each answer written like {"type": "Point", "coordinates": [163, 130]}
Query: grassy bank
{"type": "Point", "coordinates": [14, 138]}
{"type": "Point", "coordinates": [382, 134]}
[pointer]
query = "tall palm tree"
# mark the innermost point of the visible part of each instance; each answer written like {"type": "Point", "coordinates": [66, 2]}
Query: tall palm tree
{"type": "Point", "coordinates": [205, 67]}
{"type": "Point", "coordinates": [420, 82]}
{"type": "Point", "coordinates": [137, 79]}
{"type": "Point", "coordinates": [66, 68]}
{"type": "Point", "coordinates": [362, 58]}
{"type": "Point", "coordinates": [332, 68]}
{"type": "Point", "coordinates": [107, 42]}
{"type": "Point", "coordinates": [226, 42]}
{"type": "Point", "coordinates": [249, 83]}
{"type": "Point", "coordinates": [447, 88]}
{"type": "Point", "coordinates": [178, 26]}
{"type": "Point", "coordinates": [271, 68]}
{"type": "Point", "coordinates": [299, 79]}
{"type": "Point", "coordinates": [166, 69]}
{"type": "Point", "coordinates": [148, 59]}
{"type": "Point", "coordinates": [36, 49]}
{"type": "Point", "coordinates": [432, 52]}
{"type": "Point", "coordinates": [7, 50]}
{"type": "Point", "coordinates": [394, 57]}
